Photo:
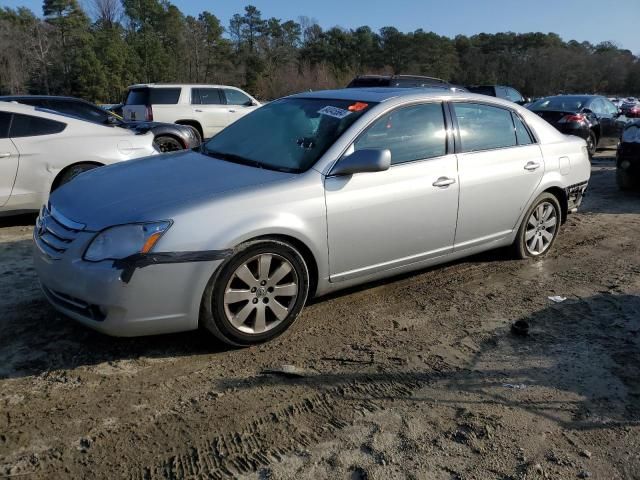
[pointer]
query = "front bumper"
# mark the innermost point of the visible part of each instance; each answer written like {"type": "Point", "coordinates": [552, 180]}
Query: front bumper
{"type": "Point", "coordinates": [160, 298]}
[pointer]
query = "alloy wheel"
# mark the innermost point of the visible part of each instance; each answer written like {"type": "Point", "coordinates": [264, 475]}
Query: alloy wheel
{"type": "Point", "coordinates": [260, 293]}
{"type": "Point", "coordinates": [541, 228]}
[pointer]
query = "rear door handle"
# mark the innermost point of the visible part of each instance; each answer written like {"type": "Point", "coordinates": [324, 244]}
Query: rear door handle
{"type": "Point", "coordinates": [198, 110]}
{"type": "Point", "coordinates": [5, 154]}
{"type": "Point", "coordinates": [232, 111]}
{"type": "Point", "coordinates": [531, 166]}
{"type": "Point", "coordinates": [444, 182]}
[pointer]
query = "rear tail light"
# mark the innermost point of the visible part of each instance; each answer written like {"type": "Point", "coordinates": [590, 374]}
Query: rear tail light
{"type": "Point", "coordinates": [148, 114]}
{"type": "Point", "coordinates": [575, 117]}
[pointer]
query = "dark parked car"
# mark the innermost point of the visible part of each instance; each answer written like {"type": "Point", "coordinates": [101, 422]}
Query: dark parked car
{"type": "Point", "coordinates": [591, 117]}
{"type": "Point", "coordinates": [628, 157]}
{"type": "Point", "coordinates": [500, 91]}
{"type": "Point", "coordinates": [630, 108]}
{"type": "Point", "coordinates": [402, 81]}
{"type": "Point", "coordinates": [168, 136]}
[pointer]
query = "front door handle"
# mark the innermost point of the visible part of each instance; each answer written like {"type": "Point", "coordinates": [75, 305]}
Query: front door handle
{"type": "Point", "coordinates": [444, 182]}
{"type": "Point", "coordinates": [5, 154]}
{"type": "Point", "coordinates": [531, 166]}
{"type": "Point", "coordinates": [232, 111]}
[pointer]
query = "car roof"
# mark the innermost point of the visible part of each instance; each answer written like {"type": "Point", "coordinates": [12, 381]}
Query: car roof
{"type": "Point", "coordinates": [378, 94]}
{"type": "Point", "coordinates": [181, 85]}
{"type": "Point", "coordinates": [41, 97]}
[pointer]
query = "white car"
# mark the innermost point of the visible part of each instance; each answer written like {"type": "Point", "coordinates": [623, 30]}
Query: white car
{"type": "Point", "coordinates": [41, 150]}
{"type": "Point", "coordinates": [207, 108]}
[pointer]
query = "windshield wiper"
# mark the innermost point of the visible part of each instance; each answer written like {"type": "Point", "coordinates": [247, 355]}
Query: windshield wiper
{"type": "Point", "coordinates": [230, 157]}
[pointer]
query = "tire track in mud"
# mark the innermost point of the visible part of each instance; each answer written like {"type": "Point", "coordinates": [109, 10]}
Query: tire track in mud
{"type": "Point", "coordinates": [299, 425]}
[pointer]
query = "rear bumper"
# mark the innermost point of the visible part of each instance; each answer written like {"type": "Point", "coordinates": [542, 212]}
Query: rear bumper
{"type": "Point", "coordinates": [581, 131]}
{"type": "Point", "coordinates": [575, 194]}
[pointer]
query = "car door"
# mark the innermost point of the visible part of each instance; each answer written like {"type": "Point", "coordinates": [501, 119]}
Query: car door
{"type": "Point", "coordinates": [209, 110]}
{"type": "Point", "coordinates": [8, 159]}
{"type": "Point", "coordinates": [617, 123]}
{"type": "Point", "coordinates": [608, 130]}
{"type": "Point", "coordinates": [385, 220]}
{"type": "Point", "coordinates": [499, 167]}
{"type": "Point", "coordinates": [238, 103]}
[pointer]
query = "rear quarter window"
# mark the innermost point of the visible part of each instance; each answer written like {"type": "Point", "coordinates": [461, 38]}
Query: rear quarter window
{"type": "Point", "coordinates": [5, 121]}
{"type": "Point", "coordinates": [28, 126]}
{"type": "Point", "coordinates": [164, 96]}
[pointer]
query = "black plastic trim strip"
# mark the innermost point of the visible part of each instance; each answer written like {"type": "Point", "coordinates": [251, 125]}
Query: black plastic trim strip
{"type": "Point", "coordinates": [131, 263]}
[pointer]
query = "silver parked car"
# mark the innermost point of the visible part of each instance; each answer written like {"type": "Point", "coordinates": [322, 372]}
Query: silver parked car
{"type": "Point", "coordinates": [305, 196]}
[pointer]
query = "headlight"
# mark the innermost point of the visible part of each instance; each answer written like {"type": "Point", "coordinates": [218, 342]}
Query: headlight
{"type": "Point", "coordinates": [125, 240]}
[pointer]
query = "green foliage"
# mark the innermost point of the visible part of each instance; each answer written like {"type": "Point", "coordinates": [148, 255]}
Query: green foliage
{"type": "Point", "coordinates": [66, 52]}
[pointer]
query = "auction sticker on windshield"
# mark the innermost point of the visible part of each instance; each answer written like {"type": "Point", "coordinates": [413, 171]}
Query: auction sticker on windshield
{"type": "Point", "coordinates": [334, 112]}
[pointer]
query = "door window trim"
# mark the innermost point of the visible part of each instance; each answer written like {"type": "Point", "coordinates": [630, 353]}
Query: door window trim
{"type": "Point", "coordinates": [456, 126]}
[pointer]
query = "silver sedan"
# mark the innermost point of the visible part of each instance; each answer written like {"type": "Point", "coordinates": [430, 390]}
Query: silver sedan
{"type": "Point", "coordinates": [307, 195]}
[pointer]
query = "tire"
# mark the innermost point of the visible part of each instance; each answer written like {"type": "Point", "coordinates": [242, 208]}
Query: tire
{"type": "Point", "coordinates": [531, 240]}
{"type": "Point", "coordinates": [71, 173]}
{"type": "Point", "coordinates": [241, 305]}
{"type": "Point", "coordinates": [624, 180]}
{"type": "Point", "coordinates": [196, 133]}
{"type": "Point", "coordinates": [166, 143]}
{"type": "Point", "coordinates": [592, 143]}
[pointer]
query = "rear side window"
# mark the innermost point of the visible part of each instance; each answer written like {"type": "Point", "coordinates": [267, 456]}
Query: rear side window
{"type": "Point", "coordinates": [206, 96]}
{"type": "Point", "coordinates": [522, 134]}
{"type": "Point", "coordinates": [164, 96]}
{"type": "Point", "coordinates": [236, 97]}
{"type": "Point", "coordinates": [153, 96]}
{"type": "Point", "coordinates": [411, 133]}
{"type": "Point", "coordinates": [484, 127]}
{"type": "Point", "coordinates": [28, 126]}
{"type": "Point", "coordinates": [501, 92]}
{"type": "Point", "coordinates": [5, 121]}
{"type": "Point", "coordinates": [80, 110]}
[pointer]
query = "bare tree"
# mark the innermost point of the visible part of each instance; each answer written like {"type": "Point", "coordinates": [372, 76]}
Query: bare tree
{"type": "Point", "coordinates": [108, 12]}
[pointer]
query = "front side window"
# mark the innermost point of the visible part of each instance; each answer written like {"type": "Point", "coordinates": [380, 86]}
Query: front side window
{"type": "Point", "coordinates": [514, 95]}
{"type": "Point", "coordinates": [236, 97]}
{"type": "Point", "coordinates": [289, 135]}
{"type": "Point", "coordinates": [206, 96]}
{"type": "Point", "coordinates": [411, 133]}
{"type": "Point", "coordinates": [28, 126]}
{"type": "Point", "coordinates": [484, 127]}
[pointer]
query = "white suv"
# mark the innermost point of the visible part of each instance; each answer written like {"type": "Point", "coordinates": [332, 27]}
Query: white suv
{"type": "Point", "coordinates": [208, 108]}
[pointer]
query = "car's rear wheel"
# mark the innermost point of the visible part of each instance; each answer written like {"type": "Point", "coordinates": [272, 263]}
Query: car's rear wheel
{"type": "Point", "coordinates": [257, 294]}
{"type": "Point", "coordinates": [592, 143]}
{"type": "Point", "coordinates": [71, 173]}
{"type": "Point", "coordinates": [168, 144]}
{"type": "Point", "coordinates": [539, 228]}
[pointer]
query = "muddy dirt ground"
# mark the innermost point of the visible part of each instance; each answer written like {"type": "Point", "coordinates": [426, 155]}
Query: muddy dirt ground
{"type": "Point", "coordinates": [415, 377]}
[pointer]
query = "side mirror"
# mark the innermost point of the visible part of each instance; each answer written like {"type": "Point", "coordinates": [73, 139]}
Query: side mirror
{"type": "Point", "coordinates": [362, 161]}
{"type": "Point", "coordinates": [249, 103]}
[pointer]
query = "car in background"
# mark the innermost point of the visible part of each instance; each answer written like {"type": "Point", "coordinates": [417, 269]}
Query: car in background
{"type": "Point", "coordinates": [499, 91]}
{"type": "Point", "coordinates": [591, 117]}
{"type": "Point", "coordinates": [41, 150]}
{"type": "Point", "coordinates": [402, 81]}
{"type": "Point", "coordinates": [115, 108]}
{"type": "Point", "coordinates": [628, 157]}
{"type": "Point", "coordinates": [306, 195]}
{"type": "Point", "coordinates": [168, 136]}
{"type": "Point", "coordinates": [207, 108]}
{"type": "Point", "coordinates": [630, 108]}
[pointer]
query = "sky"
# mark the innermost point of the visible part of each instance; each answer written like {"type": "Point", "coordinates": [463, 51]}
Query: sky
{"type": "Point", "coordinates": [591, 20]}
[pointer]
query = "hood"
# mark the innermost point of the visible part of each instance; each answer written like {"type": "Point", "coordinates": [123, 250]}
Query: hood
{"type": "Point", "coordinates": [153, 188]}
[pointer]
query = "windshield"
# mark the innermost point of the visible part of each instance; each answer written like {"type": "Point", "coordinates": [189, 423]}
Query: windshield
{"type": "Point", "coordinates": [560, 104]}
{"type": "Point", "coordinates": [289, 135]}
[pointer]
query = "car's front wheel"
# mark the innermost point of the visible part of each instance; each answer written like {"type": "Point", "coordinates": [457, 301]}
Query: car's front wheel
{"type": "Point", "coordinates": [257, 294]}
{"type": "Point", "coordinates": [539, 228]}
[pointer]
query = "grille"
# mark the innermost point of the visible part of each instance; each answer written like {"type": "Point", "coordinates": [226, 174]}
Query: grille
{"type": "Point", "coordinates": [54, 233]}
